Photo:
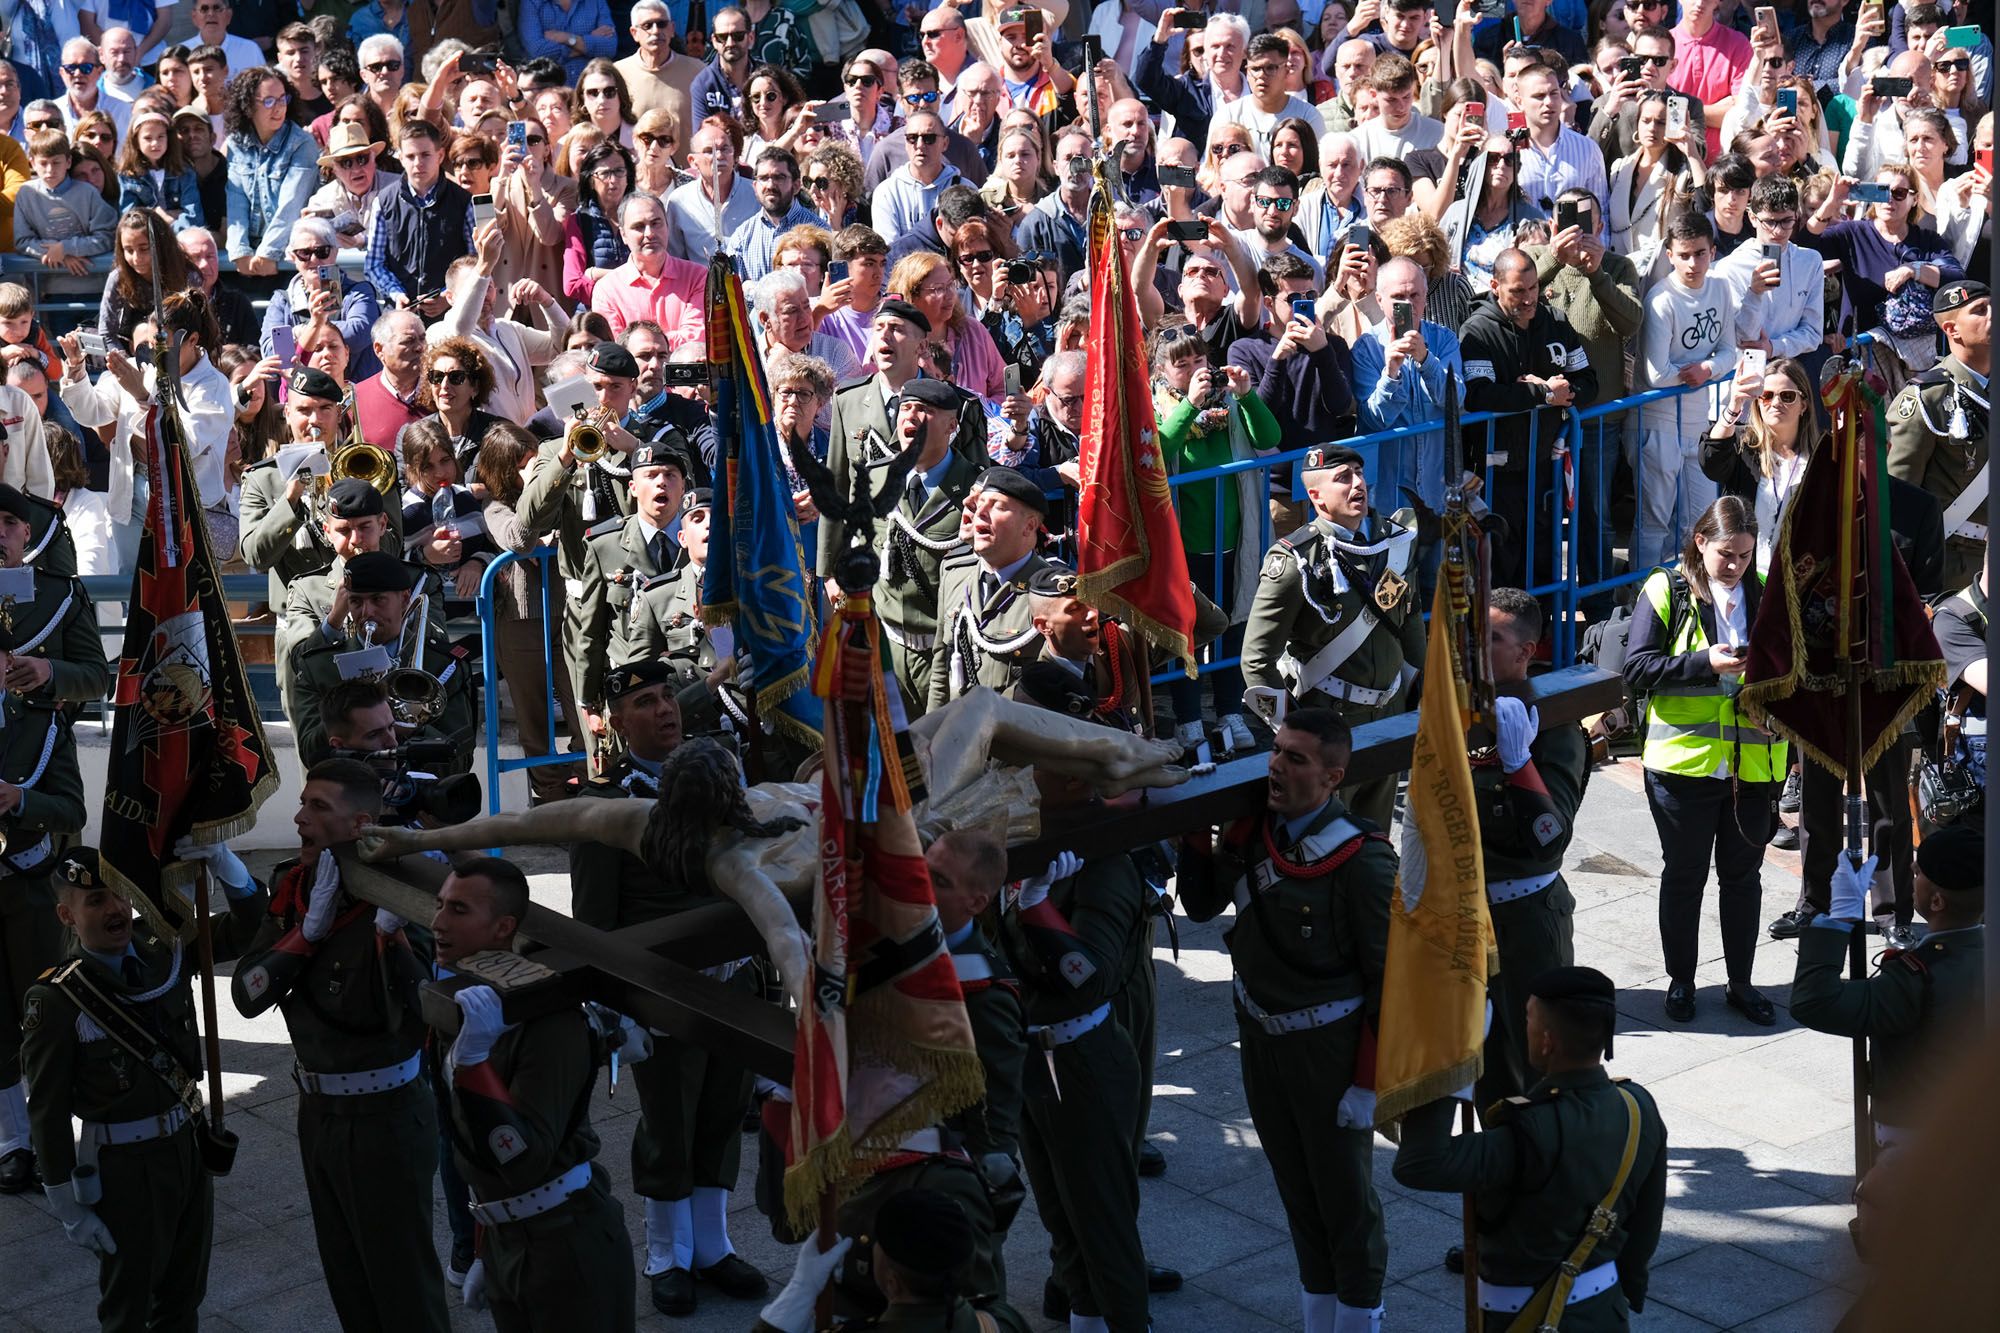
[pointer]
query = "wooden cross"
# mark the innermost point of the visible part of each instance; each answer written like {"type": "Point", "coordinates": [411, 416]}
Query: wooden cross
{"type": "Point", "coordinates": [652, 971]}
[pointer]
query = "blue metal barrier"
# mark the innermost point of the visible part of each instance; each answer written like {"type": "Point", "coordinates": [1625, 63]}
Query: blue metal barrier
{"type": "Point", "coordinates": [489, 658]}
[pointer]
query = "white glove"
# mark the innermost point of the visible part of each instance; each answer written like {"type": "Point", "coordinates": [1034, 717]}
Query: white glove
{"type": "Point", "coordinates": [79, 1223]}
{"type": "Point", "coordinates": [473, 1293]}
{"type": "Point", "coordinates": [1519, 725]}
{"type": "Point", "coordinates": [1357, 1108]}
{"type": "Point", "coordinates": [1035, 890]}
{"type": "Point", "coordinates": [387, 922]}
{"type": "Point", "coordinates": [224, 866]}
{"type": "Point", "coordinates": [482, 1025]}
{"type": "Point", "coordinates": [319, 907]}
{"type": "Point", "coordinates": [791, 1311]}
{"type": "Point", "coordinates": [1850, 888]}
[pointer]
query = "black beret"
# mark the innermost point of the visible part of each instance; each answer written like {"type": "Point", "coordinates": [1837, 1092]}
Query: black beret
{"type": "Point", "coordinates": [1330, 455]}
{"type": "Point", "coordinates": [314, 383]}
{"type": "Point", "coordinates": [611, 359]}
{"type": "Point", "coordinates": [1053, 686]}
{"type": "Point", "coordinates": [636, 676]}
{"type": "Point", "coordinates": [377, 571]}
{"type": "Point", "coordinates": [1009, 482]}
{"type": "Point", "coordinates": [351, 497]}
{"type": "Point", "coordinates": [1053, 580]}
{"type": "Point", "coordinates": [1954, 858]}
{"type": "Point", "coordinates": [79, 866]}
{"type": "Point", "coordinates": [931, 393]}
{"type": "Point", "coordinates": [1581, 991]}
{"type": "Point", "coordinates": [924, 1231]}
{"type": "Point", "coordinates": [903, 310]}
{"type": "Point", "coordinates": [660, 453]}
{"type": "Point", "coordinates": [15, 501]}
{"type": "Point", "coordinates": [1956, 295]}
{"type": "Point", "coordinates": [698, 497]}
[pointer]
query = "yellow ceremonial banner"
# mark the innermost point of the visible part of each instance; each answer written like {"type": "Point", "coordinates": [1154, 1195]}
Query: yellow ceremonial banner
{"type": "Point", "coordinates": [1433, 1019]}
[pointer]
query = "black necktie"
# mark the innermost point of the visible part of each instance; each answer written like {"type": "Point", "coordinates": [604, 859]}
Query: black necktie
{"type": "Point", "coordinates": [134, 975]}
{"type": "Point", "coordinates": [989, 583]}
{"type": "Point", "coordinates": [657, 548]}
{"type": "Point", "coordinates": [915, 490]}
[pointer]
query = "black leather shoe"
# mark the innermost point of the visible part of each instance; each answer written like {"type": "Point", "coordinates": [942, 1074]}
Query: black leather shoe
{"type": "Point", "coordinates": [1152, 1162]}
{"type": "Point", "coordinates": [17, 1172]}
{"type": "Point", "coordinates": [1786, 839]}
{"type": "Point", "coordinates": [1747, 1001]}
{"type": "Point", "coordinates": [1792, 924]}
{"type": "Point", "coordinates": [1680, 1002]}
{"type": "Point", "coordinates": [734, 1276]}
{"type": "Point", "coordinates": [1454, 1259]}
{"type": "Point", "coordinates": [1055, 1302]}
{"type": "Point", "coordinates": [673, 1292]}
{"type": "Point", "coordinates": [1789, 799]}
{"type": "Point", "coordinates": [1160, 1279]}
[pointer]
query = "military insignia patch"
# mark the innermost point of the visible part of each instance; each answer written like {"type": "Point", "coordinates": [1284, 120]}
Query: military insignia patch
{"type": "Point", "coordinates": [1547, 829]}
{"type": "Point", "coordinates": [505, 1144]}
{"type": "Point", "coordinates": [1390, 589]}
{"type": "Point", "coordinates": [1275, 565]}
{"type": "Point", "coordinates": [1906, 406]}
{"type": "Point", "coordinates": [31, 1014]}
{"type": "Point", "coordinates": [255, 982]}
{"type": "Point", "coordinates": [1076, 969]}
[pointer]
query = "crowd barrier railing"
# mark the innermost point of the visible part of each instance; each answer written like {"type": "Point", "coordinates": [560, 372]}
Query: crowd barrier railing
{"type": "Point", "coordinates": [489, 662]}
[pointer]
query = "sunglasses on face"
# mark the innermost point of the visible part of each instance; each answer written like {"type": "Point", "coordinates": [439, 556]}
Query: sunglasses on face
{"type": "Point", "coordinates": [384, 67]}
{"type": "Point", "coordinates": [919, 137]}
{"type": "Point", "coordinates": [451, 377]}
{"type": "Point", "coordinates": [83, 69]}
{"type": "Point", "coordinates": [921, 99]}
{"type": "Point", "coordinates": [605, 91]}
{"type": "Point", "coordinates": [351, 163]}
{"type": "Point", "coordinates": [1279, 202]}
{"type": "Point", "coordinates": [648, 140]}
{"type": "Point", "coordinates": [1229, 150]}
{"type": "Point", "coordinates": [976, 257]}
{"type": "Point", "coordinates": [732, 36]}
{"type": "Point", "coordinates": [1899, 192]}
{"type": "Point", "coordinates": [818, 183]}
{"type": "Point", "coordinates": [651, 25]}
{"type": "Point", "coordinates": [1786, 397]}
{"type": "Point", "coordinates": [861, 81]}
{"type": "Point", "coordinates": [1958, 66]}
{"type": "Point", "coordinates": [308, 254]}
{"type": "Point", "coordinates": [536, 140]}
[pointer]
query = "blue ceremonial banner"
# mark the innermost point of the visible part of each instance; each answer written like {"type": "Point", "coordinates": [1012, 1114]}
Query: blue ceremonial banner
{"type": "Point", "coordinates": [756, 575]}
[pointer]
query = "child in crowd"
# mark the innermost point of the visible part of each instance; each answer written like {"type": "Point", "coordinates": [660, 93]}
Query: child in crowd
{"type": "Point", "coordinates": [59, 220]}
{"type": "Point", "coordinates": [1689, 338]}
{"type": "Point", "coordinates": [153, 173]}
{"type": "Point", "coordinates": [20, 328]}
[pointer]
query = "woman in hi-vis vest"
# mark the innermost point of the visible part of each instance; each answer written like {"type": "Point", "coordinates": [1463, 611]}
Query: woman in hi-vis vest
{"type": "Point", "coordinates": [1712, 779]}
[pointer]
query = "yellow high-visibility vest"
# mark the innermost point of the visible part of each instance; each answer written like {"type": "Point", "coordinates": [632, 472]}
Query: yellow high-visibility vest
{"type": "Point", "coordinates": [1693, 728]}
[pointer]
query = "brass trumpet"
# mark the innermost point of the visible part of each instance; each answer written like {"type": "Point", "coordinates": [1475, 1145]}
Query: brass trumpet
{"type": "Point", "coordinates": [368, 462]}
{"type": "Point", "coordinates": [585, 438]}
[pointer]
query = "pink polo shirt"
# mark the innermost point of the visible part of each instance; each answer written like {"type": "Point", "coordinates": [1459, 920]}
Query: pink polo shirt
{"type": "Point", "coordinates": [675, 301]}
{"type": "Point", "coordinates": [1709, 69]}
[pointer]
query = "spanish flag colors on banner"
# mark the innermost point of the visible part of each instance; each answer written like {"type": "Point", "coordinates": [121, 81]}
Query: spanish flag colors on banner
{"type": "Point", "coordinates": [1441, 947]}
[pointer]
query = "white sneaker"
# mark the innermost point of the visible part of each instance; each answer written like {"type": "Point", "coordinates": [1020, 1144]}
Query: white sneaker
{"type": "Point", "coordinates": [1189, 734]}
{"type": "Point", "coordinates": [1236, 737]}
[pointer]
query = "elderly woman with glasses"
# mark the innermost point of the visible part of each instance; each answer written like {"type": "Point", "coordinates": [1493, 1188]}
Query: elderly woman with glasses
{"type": "Point", "coordinates": [831, 179]}
{"type": "Point", "coordinates": [317, 292]}
{"type": "Point", "coordinates": [785, 323]}
{"type": "Point", "coordinates": [592, 242]}
{"type": "Point", "coordinates": [655, 140]}
{"type": "Point", "coordinates": [925, 280]}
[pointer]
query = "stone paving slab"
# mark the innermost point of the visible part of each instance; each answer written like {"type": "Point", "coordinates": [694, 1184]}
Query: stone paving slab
{"type": "Point", "coordinates": [1760, 1149]}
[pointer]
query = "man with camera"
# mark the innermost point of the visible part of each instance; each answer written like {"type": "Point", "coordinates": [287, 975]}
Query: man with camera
{"type": "Point", "coordinates": [282, 513]}
{"type": "Point", "coordinates": [51, 660]}
{"type": "Point", "coordinates": [135, 1186]}
{"type": "Point", "coordinates": [346, 979]}
{"type": "Point", "coordinates": [687, 1149]}
{"type": "Point", "coordinates": [1614, 122]}
{"type": "Point", "coordinates": [367, 632]}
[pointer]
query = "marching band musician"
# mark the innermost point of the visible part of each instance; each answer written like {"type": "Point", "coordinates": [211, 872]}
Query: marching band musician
{"type": "Point", "coordinates": [364, 633]}
{"type": "Point", "coordinates": [665, 623]}
{"type": "Point", "coordinates": [51, 659]}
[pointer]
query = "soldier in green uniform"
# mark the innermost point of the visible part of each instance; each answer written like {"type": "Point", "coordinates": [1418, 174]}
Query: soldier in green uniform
{"type": "Point", "coordinates": [281, 520]}
{"type": "Point", "coordinates": [665, 624]}
{"type": "Point", "coordinates": [1939, 423]}
{"type": "Point", "coordinates": [1527, 813]}
{"type": "Point", "coordinates": [377, 591]}
{"type": "Point", "coordinates": [624, 553]}
{"type": "Point", "coordinates": [922, 1248]}
{"type": "Point", "coordinates": [1311, 883]}
{"type": "Point", "coordinates": [921, 533]}
{"type": "Point", "coordinates": [688, 1147]}
{"type": "Point", "coordinates": [1335, 621]}
{"type": "Point", "coordinates": [1067, 934]}
{"type": "Point", "coordinates": [51, 660]}
{"type": "Point", "coordinates": [109, 1039]}
{"type": "Point", "coordinates": [1921, 997]}
{"type": "Point", "coordinates": [346, 979]}
{"type": "Point", "coordinates": [1569, 1180]}
{"type": "Point", "coordinates": [553, 1251]}
{"type": "Point", "coordinates": [986, 629]}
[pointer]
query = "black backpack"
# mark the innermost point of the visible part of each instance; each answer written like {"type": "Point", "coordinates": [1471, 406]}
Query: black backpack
{"type": "Point", "coordinates": [1605, 643]}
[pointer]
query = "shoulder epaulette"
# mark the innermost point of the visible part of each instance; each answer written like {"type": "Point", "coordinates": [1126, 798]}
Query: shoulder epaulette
{"type": "Point", "coordinates": [609, 525]}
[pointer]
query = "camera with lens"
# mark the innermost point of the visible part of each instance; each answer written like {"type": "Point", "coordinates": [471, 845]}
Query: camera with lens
{"type": "Point", "coordinates": [1020, 272]}
{"type": "Point", "coordinates": [412, 791]}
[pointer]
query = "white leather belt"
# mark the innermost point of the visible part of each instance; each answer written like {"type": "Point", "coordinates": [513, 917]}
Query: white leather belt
{"type": "Point", "coordinates": [1507, 890]}
{"type": "Point", "coordinates": [536, 1201]}
{"type": "Point", "coordinates": [1498, 457]}
{"type": "Point", "coordinates": [1051, 1035]}
{"type": "Point", "coordinates": [1335, 688]}
{"type": "Point", "coordinates": [358, 1084]}
{"type": "Point", "coordinates": [1975, 532]}
{"type": "Point", "coordinates": [913, 643]}
{"type": "Point", "coordinates": [1298, 1020]}
{"type": "Point", "coordinates": [1590, 1282]}
{"type": "Point", "coordinates": [113, 1134]}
